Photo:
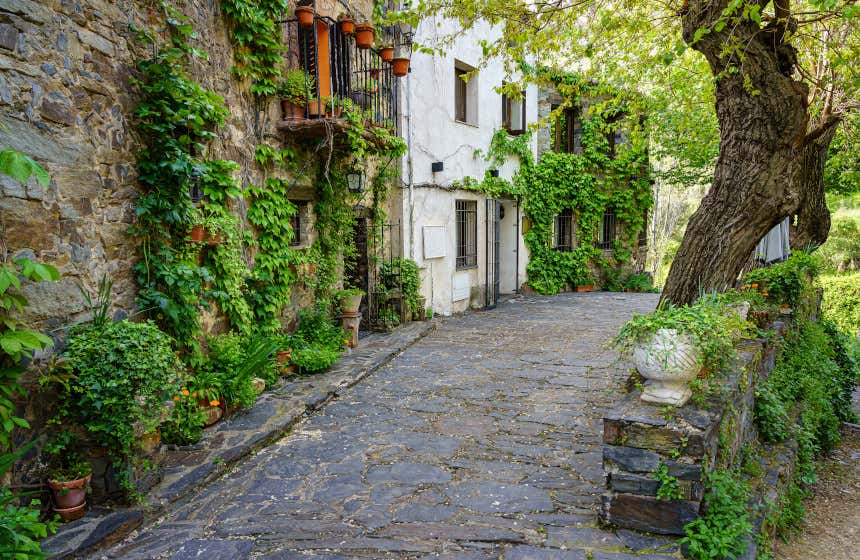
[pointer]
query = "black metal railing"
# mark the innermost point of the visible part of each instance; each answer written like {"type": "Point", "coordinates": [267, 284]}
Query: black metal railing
{"type": "Point", "coordinates": [339, 73]}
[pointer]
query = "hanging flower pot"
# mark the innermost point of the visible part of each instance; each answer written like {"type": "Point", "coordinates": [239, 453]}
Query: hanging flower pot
{"type": "Point", "coordinates": [197, 234]}
{"type": "Point", "coordinates": [386, 53]}
{"type": "Point", "coordinates": [400, 66]}
{"type": "Point", "coordinates": [364, 34]}
{"type": "Point", "coordinates": [305, 16]}
{"type": "Point", "coordinates": [292, 111]}
{"type": "Point", "coordinates": [347, 24]}
{"type": "Point", "coordinates": [317, 108]}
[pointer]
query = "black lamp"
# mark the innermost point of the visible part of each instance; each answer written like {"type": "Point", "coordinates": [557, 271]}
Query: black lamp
{"type": "Point", "coordinates": [355, 180]}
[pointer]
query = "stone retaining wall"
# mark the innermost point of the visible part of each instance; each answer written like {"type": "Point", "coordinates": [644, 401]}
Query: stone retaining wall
{"type": "Point", "coordinates": [689, 441]}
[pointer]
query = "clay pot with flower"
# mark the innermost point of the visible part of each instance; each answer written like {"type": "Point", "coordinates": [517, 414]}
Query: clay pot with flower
{"type": "Point", "coordinates": [69, 475]}
{"type": "Point", "coordinates": [205, 388]}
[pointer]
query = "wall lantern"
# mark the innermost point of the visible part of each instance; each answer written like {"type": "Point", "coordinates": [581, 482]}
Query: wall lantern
{"type": "Point", "coordinates": [355, 180]}
{"type": "Point", "coordinates": [494, 172]}
{"type": "Point", "coordinates": [195, 193]}
{"type": "Point", "coordinates": [437, 166]}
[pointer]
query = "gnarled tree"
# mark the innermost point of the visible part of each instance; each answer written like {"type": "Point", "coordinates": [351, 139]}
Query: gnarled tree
{"type": "Point", "coordinates": [783, 79]}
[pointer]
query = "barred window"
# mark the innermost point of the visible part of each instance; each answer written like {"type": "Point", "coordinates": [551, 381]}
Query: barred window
{"type": "Point", "coordinates": [296, 223]}
{"type": "Point", "coordinates": [562, 238]}
{"type": "Point", "coordinates": [606, 237]}
{"type": "Point", "coordinates": [467, 233]}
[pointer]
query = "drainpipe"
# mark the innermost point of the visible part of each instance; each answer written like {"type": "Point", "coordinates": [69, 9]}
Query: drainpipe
{"type": "Point", "coordinates": [410, 166]}
{"type": "Point", "coordinates": [517, 259]}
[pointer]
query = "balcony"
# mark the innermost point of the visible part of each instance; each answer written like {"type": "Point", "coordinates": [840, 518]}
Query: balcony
{"type": "Point", "coordinates": [330, 70]}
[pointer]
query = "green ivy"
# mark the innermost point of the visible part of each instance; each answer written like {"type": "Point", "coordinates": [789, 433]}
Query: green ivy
{"type": "Point", "coordinates": [176, 119]}
{"type": "Point", "coordinates": [721, 531]}
{"type": "Point", "coordinates": [257, 35]}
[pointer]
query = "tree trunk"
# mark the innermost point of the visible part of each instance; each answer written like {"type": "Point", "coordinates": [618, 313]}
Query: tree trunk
{"type": "Point", "coordinates": [813, 216]}
{"type": "Point", "coordinates": [755, 178]}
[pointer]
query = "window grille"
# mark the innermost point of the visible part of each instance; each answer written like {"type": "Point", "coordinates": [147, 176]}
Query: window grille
{"type": "Point", "coordinates": [563, 231]}
{"type": "Point", "coordinates": [606, 239]}
{"type": "Point", "coordinates": [467, 233]}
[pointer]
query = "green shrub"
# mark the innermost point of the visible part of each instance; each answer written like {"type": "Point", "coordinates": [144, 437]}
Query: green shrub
{"type": "Point", "coordinates": [785, 282]}
{"type": "Point", "coordinates": [841, 251]}
{"type": "Point", "coordinates": [720, 532]}
{"type": "Point", "coordinates": [185, 425]}
{"type": "Point", "coordinates": [232, 363]}
{"type": "Point", "coordinates": [817, 372]}
{"type": "Point", "coordinates": [122, 374]}
{"type": "Point", "coordinates": [841, 303]}
{"type": "Point", "coordinates": [317, 342]}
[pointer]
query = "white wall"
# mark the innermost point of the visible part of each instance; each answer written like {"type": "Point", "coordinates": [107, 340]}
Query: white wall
{"type": "Point", "coordinates": [433, 134]}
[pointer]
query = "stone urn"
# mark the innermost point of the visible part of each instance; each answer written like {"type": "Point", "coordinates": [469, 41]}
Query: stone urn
{"type": "Point", "coordinates": [350, 303]}
{"type": "Point", "coordinates": [668, 361]}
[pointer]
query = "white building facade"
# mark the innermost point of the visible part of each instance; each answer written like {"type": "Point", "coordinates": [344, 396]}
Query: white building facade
{"type": "Point", "coordinates": [468, 246]}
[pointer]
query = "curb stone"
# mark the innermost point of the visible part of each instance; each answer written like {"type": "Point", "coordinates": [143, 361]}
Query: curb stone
{"type": "Point", "coordinates": [188, 469]}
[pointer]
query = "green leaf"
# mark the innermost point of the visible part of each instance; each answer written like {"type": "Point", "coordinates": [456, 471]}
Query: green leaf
{"type": "Point", "coordinates": [21, 167]}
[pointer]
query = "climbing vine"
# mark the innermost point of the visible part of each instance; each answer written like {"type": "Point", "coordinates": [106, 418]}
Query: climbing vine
{"type": "Point", "coordinates": [258, 41]}
{"type": "Point", "coordinates": [587, 182]}
{"type": "Point", "coordinates": [176, 119]}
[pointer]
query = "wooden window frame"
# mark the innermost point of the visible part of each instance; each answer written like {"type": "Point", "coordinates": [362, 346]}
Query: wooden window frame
{"type": "Point", "coordinates": [466, 212]}
{"type": "Point", "coordinates": [507, 112]}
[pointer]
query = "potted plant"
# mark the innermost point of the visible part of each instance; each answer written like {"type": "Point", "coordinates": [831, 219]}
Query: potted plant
{"type": "Point", "coordinates": [197, 234]}
{"type": "Point", "coordinates": [205, 386]}
{"type": "Point", "coordinates": [347, 23]}
{"type": "Point", "coordinates": [122, 372]}
{"type": "Point", "coordinates": [670, 346]}
{"type": "Point", "coordinates": [386, 51]}
{"type": "Point", "coordinates": [400, 66]}
{"type": "Point", "coordinates": [350, 300]}
{"type": "Point", "coordinates": [305, 16]}
{"type": "Point", "coordinates": [69, 476]}
{"type": "Point", "coordinates": [317, 108]}
{"type": "Point", "coordinates": [294, 93]}
{"type": "Point", "coordinates": [364, 34]}
{"type": "Point", "coordinates": [585, 284]}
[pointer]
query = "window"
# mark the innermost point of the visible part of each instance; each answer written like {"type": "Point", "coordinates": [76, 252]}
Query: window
{"type": "Point", "coordinates": [568, 131]}
{"type": "Point", "coordinates": [606, 237]}
{"type": "Point", "coordinates": [467, 233]}
{"type": "Point", "coordinates": [465, 94]}
{"type": "Point", "coordinates": [562, 237]}
{"type": "Point", "coordinates": [514, 114]}
{"type": "Point", "coordinates": [296, 223]}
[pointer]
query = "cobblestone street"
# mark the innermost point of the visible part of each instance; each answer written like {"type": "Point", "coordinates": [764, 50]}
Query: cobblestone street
{"type": "Point", "coordinates": [480, 441]}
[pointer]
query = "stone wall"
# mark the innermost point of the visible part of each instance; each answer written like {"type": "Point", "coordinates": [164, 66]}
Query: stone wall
{"type": "Point", "coordinates": [67, 96]}
{"type": "Point", "coordinates": [689, 441]}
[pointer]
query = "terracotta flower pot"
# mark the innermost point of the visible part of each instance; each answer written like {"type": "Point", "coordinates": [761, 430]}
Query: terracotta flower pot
{"type": "Point", "coordinates": [585, 288]}
{"type": "Point", "coordinates": [305, 16]}
{"type": "Point", "coordinates": [317, 108]}
{"type": "Point", "coordinates": [386, 54]}
{"type": "Point", "coordinates": [197, 234]}
{"type": "Point", "coordinates": [288, 370]}
{"type": "Point", "coordinates": [364, 34]}
{"type": "Point", "coordinates": [71, 493]}
{"type": "Point", "coordinates": [400, 66]}
{"type": "Point", "coordinates": [72, 513]}
{"type": "Point", "coordinates": [347, 25]}
{"type": "Point", "coordinates": [283, 356]}
{"type": "Point", "coordinates": [214, 239]}
{"type": "Point", "coordinates": [292, 111]}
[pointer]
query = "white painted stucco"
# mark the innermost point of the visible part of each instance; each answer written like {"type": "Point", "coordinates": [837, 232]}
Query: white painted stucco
{"type": "Point", "coordinates": [432, 133]}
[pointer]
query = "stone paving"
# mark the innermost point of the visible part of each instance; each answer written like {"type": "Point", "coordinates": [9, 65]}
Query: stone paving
{"type": "Point", "coordinates": [481, 441]}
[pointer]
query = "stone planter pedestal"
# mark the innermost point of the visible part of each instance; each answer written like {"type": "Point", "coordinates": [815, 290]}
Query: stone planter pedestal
{"type": "Point", "coordinates": [350, 323]}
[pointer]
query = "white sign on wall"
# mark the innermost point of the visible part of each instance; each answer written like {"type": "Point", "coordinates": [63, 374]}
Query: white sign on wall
{"type": "Point", "coordinates": [462, 286]}
{"type": "Point", "coordinates": [435, 241]}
